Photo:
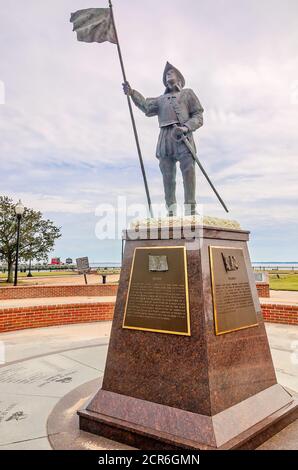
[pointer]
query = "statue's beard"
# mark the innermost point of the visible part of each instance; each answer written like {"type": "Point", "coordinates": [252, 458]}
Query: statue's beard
{"type": "Point", "coordinates": [173, 84]}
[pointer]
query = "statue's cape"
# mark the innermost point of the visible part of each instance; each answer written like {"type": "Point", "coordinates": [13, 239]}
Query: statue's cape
{"type": "Point", "coordinates": [179, 74]}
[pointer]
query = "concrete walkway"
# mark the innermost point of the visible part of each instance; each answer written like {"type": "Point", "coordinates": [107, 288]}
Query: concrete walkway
{"type": "Point", "coordinates": [43, 365]}
{"type": "Point", "coordinates": [38, 302]}
{"type": "Point", "coordinates": [281, 297]}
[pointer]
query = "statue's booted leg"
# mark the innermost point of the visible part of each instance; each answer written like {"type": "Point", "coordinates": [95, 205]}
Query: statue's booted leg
{"type": "Point", "coordinates": [188, 170]}
{"type": "Point", "coordinates": [167, 166]}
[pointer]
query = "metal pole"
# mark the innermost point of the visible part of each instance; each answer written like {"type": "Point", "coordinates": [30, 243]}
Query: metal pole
{"type": "Point", "coordinates": [122, 251]}
{"type": "Point", "coordinates": [194, 156]}
{"type": "Point", "coordinates": [132, 115]}
{"type": "Point", "coordinates": [17, 252]}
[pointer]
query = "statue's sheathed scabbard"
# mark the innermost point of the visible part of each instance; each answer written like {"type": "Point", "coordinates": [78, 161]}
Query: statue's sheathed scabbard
{"type": "Point", "coordinates": [178, 135]}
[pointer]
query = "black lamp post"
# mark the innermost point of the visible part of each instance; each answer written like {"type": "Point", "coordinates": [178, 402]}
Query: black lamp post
{"type": "Point", "coordinates": [19, 210]}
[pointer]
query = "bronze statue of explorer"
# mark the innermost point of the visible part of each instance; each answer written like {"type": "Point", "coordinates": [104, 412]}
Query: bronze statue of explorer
{"type": "Point", "coordinates": [178, 110]}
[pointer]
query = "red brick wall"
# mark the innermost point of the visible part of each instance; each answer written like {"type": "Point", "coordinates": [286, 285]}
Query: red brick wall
{"type": "Point", "coordinates": [30, 292]}
{"type": "Point", "coordinates": [52, 315]}
{"type": "Point", "coordinates": [263, 289]}
{"type": "Point", "coordinates": [280, 313]}
{"type": "Point", "coordinates": [12, 319]}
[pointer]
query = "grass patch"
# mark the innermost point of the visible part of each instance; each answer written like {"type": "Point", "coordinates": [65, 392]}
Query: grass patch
{"type": "Point", "coordinates": [283, 281]}
{"type": "Point", "coordinates": [3, 276]}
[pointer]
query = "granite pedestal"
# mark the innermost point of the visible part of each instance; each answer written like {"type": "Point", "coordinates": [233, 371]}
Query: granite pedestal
{"type": "Point", "coordinates": [203, 391]}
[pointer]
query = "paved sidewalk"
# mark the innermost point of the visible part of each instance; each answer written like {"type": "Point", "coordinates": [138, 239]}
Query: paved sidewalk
{"type": "Point", "coordinates": [22, 345]}
{"type": "Point", "coordinates": [43, 365]}
{"type": "Point", "coordinates": [281, 297]}
{"type": "Point", "coordinates": [39, 302]}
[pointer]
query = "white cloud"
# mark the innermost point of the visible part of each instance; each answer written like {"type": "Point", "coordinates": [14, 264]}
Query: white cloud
{"type": "Point", "coordinates": [66, 138]}
{"type": "Point", "coordinates": [48, 203]}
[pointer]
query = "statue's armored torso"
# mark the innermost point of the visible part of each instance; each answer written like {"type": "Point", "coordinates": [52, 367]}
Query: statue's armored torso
{"type": "Point", "coordinates": [179, 107]}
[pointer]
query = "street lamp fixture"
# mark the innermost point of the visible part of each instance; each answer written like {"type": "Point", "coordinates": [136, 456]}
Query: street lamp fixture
{"type": "Point", "coordinates": [19, 211]}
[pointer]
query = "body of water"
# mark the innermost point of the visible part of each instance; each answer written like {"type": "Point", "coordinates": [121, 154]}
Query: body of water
{"type": "Point", "coordinates": [270, 265]}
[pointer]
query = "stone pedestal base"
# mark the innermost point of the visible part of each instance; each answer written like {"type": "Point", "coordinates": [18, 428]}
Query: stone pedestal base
{"type": "Point", "coordinates": [157, 427]}
{"type": "Point", "coordinates": [203, 391]}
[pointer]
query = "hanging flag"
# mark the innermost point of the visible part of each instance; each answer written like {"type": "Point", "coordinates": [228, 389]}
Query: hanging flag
{"type": "Point", "coordinates": [98, 25]}
{"type": "Point", "coordinates": [94, 25]}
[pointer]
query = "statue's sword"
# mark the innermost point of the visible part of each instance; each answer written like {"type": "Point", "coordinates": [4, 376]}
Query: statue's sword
{"type": "Point", "coordinates": [180, 136]}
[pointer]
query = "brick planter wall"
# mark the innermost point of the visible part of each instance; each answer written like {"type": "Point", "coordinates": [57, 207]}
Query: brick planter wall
{"type": "Point", "coordinates": [12, 319]}
{"type": "Point", "coordinates": [30, 292]}
{"type": "Point", "coordinates": [97, 290]}
{"type": "Point", "coordinates": [280, 313]}
{"type": "Point", "coordinates": [263, 289]}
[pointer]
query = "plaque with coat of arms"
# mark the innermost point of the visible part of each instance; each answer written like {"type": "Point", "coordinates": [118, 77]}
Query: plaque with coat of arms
{"type": "Point", "coordinates": [157, 298]}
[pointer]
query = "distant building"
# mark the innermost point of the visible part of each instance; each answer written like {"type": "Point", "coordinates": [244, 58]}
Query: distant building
{"type": "Point", "coordinates": [68, 261]}
{"type": "Point", "coordinates": [55, 261]}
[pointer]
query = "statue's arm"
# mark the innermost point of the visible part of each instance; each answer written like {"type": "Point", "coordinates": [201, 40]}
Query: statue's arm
{"type": "Point", "coordinates": [195, 112]}
{"type": "Point", "coordinates": [149, 106]}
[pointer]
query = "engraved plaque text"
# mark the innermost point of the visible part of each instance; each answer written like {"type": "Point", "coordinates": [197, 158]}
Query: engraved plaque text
{"type": "Point", "coordinates": [232, 298]}
{"type": "Point", "coordinates": [157, 298]}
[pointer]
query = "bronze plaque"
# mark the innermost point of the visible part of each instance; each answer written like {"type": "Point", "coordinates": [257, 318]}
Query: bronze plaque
{"type": "Point", "coordinates": [232, 298]}
{"type": "Point", "coordinates": [157, 298]}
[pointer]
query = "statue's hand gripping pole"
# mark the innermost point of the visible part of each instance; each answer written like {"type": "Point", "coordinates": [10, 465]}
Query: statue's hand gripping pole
{"type": "Point", "coordinates": [180, 136]}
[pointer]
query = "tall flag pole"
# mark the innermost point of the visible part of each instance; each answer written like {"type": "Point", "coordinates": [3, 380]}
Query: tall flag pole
{"type": "Point", "coordinates": [98, 25]}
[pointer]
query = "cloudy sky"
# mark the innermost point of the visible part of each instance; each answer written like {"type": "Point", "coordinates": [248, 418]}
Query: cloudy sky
{"type": "Point", "coordinates": [66, 144]}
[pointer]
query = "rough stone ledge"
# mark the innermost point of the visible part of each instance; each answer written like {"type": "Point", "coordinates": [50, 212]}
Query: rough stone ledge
{"type": "Point", "coordinates": [194, 220]}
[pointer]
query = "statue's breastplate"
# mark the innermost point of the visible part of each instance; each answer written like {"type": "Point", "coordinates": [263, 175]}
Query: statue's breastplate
{"type": "Point", "coordinates": [168, 110]}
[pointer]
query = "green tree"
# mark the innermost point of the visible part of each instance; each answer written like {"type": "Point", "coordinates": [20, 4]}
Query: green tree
{"type": "Point", "coordinates": [37, 235]}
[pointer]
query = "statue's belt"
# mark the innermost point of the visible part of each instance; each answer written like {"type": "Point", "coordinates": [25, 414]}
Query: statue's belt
{"type": "Point", "coordinates": [177, 135]}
